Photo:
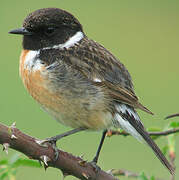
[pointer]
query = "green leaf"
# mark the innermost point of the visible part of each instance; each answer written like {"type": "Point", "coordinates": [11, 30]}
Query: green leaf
{"type": "Point", "coordinates": [152, 178]}
{"type": "Point", "coordinates": [3, 162]}
{"type": "Point", "coordinates": [13, 171]}
{"type": "Point", "coordinates": [14, 158]}
{"type": "Point", "coordinates": [171, 143]}
{"type": "Point", "coordinates": [165, 150]}
{"type": "Point", "coordinates": [26, 162]}
{"type": "Point", "coordinates": [155, 137]}
{"type": "Point", "coordinates": [174, 124]}
{"type": "Point", "coordinates": [2, 169]}
{"type": "Point", "coordinates": [8, 169]}
{"type": "Point", "coordinates": [11, 177]}
{"type": "Point", "coordinates": [4, 175]}
{"type": "Point", "coordinates": [142, 176]}
{"type": "Point", "coordinates": [154, 129]}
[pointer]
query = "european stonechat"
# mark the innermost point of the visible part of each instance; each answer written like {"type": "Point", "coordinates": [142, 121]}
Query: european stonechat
{"type": "Point", "coordinates": [76, 80]}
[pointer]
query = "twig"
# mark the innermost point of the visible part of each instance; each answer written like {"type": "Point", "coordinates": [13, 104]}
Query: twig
{"type": "Point", "coordinates": [126, 173]}
{"type": "Point", "coordinates": [159, 133]}
{"type": "Point", "coordinates": [172, 161]}
{"type": "Point", "coordinates": [69, 164]}
{"type": "Point", "coordinates": [172, 157]}
{"type": "Point", "coordinates": [172, 153]}
{"type": "Point", "coordinates": [11, 137]}
{"type": "Point", "coordinates": [122, 172]}
{"type": "Point", "coordinates": [173, 115]}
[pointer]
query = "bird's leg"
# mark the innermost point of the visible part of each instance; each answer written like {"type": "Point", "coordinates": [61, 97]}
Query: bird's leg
{"type": "Point", "coordinates": [95, 159]}
{"type": "Point", "coordinates": [58, 137]}
{"type": "Point", "coordinates": [54, 139]}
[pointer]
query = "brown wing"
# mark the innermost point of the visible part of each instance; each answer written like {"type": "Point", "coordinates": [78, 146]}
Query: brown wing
{"type": "Point", "coordinates": [95, 62]}
{"type": "Point", "coordinates": [113, 74]}
{"type": "Point", "coordinates": [123, 95]}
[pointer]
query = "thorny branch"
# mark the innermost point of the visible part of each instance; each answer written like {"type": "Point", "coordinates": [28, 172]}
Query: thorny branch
{"type": "Point", "coordinates": [67, 163]}
{"type": "Point", "coordinates": [172, 161]}
{"type": "Point", "coordinates": [160, 133]}
{"type": "Point", "coordinates": [126, 173]}
{"type": "Point", "coordinates": [173, 115]}
{"type": "Point", "coordinates": [172, 152]}
{"type": "Point", "coordinates": [11, 137]}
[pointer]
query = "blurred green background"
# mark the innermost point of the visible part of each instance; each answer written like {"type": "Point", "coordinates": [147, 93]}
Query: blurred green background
{"type": "Point", "coordinates": [143, 34]}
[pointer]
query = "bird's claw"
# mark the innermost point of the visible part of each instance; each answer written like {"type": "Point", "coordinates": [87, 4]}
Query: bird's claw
{"type": "Point", "coordinates": [44, 143]}
{"type": "Point", "coordinates": [95, 166]}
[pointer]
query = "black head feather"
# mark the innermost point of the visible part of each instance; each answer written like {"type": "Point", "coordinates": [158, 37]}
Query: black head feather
{"type": "Point", "coordinates": [49, 27]}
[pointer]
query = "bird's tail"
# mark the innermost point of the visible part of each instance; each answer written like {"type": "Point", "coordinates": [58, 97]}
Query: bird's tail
{"type": "Point", "coordinates": [129, 120]}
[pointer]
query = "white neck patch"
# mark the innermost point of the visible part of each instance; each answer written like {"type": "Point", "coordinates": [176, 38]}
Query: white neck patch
{"type": "Point", "coordinates": [69, 43]}
{"type": "Point", "coordinates": [32, 62]}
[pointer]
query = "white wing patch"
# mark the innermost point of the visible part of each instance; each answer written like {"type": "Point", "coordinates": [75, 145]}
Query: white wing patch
{"type": "Point", "coordinates": [124, 124]}
{"type": "Point", "coordinates": [32, 61]}
{"type": "Point", "coordinates": [97, 80]}
{"type": "Point", "coordinates": [123, 108]}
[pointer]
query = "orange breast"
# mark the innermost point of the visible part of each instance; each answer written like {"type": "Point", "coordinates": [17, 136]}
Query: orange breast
{"type": "Point", "coordinates": [36, 83]}
{"type": "Point", "coordinates": [32, 80]}
{"type": "Point", "coordinates": [68, 111]}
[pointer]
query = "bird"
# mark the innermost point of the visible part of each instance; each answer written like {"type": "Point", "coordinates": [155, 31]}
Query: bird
{"type": "Point", "coordinates": [77, 81]}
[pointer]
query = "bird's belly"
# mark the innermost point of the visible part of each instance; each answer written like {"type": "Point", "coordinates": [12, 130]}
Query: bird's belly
{"type": "Point", "coordinates": [77, 117]}
{"type": "Point", "coordinates": [68, 111]}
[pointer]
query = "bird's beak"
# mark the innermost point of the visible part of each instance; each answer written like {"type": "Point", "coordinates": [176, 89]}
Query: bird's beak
{"type": "Point", "coordinates": [21, 31]}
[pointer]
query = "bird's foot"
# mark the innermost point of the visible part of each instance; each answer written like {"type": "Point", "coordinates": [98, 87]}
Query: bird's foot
{"type": "Point", "coordinates": [54, 139]}
{"type": "Point", "coordinates": [95, 166]}
{"type": "Point", "coordinates": [52, 142]}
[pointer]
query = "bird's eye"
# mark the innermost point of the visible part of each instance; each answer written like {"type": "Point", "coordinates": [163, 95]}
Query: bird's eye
{"type": "Point", "coordinates": [49, 31]}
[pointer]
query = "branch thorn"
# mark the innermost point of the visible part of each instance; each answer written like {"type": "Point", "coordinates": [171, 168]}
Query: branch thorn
{"type": "Point", "coordinates": [81, 156]}
{"type": "Point", "coordinates": [85, 175]}
{"type": "Point", "coordinates": [13, 136]}
{"type": "Point", "coordinates": [42, 143]}
{"type": "Point", "coordinates": [45, 160]}
{"type": "Point", "coordinates": [13, 125]}
{"type": "Point", "coordinates": [82, 163]}
{"type": "Point", "coordinates": [5, 147]}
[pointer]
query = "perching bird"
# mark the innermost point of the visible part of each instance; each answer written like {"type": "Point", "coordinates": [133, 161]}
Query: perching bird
{"type": "Point", "coordinates": [76, 80]}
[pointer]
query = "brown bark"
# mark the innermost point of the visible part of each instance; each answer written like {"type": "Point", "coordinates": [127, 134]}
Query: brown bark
{"type": "Point", "coordinates": [70, 165]}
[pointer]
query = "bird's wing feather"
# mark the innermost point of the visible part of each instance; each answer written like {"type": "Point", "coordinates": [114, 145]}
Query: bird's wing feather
{"type": "Point", "coordinates": [103, 69]}
{"type": "Point", "coordinates": [129, 120]}
{"type": "Point", "coordinates": [121, 94]}
{"type": "Point", "coordinates": [113, 74]}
